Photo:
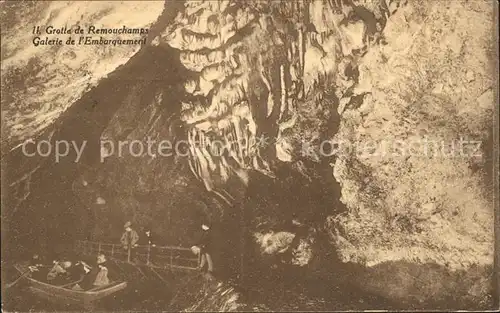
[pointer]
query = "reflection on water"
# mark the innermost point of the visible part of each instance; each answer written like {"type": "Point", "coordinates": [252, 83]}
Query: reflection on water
{"type": "Point", "coordinates": [150, 296]}
{"type": "Point", "coordinates": [268, 294]}
{"type": "Point", "coordinates": [153, 296]}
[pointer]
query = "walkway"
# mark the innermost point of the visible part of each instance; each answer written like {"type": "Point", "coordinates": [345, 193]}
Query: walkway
{"type": "Point", "coordinates": [161, 257]}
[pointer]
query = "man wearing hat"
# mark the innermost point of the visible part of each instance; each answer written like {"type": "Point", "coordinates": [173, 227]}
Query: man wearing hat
{"type": "Point", "coordinates": [129, 240]}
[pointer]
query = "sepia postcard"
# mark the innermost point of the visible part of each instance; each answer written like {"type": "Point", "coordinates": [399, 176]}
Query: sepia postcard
{"type": "Point", "coordinates": [249, 155]}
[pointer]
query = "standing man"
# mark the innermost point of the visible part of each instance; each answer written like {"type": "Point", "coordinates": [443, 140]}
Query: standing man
{"type": "Point", "coordinates": [205, 245]}
{"type": "Point", "coordinates": [150, 243]}
{"type": "Point", "coordinates": [129, 241]}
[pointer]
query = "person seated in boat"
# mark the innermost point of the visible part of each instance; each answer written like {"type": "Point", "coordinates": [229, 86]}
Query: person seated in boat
{"type": "Point", "coordinates": [97, 276]}
{"type": "Point", "coordinates": [78, 271]}
{"type": "Point", "coordinates": [59, 272]}
{"type": "Point", "coordinates": [102, 278]}
{"type": "Point", "coordinates": [37, 268]}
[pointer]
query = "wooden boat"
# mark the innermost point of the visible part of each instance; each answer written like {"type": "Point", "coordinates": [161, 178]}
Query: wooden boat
{"type": "Point", "coordinates": [65, 295]}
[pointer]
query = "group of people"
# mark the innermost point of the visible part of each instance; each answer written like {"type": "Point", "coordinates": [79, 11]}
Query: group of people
{"type": "Point", "coordinates": [65, 271]}
{"type": "Point", "coordinates": [203, 248]}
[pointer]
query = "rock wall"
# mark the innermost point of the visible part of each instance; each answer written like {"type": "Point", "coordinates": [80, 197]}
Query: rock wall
{"type": "Point", "coordinates": [415, 194]}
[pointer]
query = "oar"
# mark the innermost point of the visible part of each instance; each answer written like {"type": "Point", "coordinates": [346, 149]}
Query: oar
{"type": "Point", "coordinates": [15, 281]}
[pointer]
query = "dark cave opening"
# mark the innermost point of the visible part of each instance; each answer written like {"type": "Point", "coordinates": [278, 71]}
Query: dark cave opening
{"type": "Point", "coordinates": [49, 204]}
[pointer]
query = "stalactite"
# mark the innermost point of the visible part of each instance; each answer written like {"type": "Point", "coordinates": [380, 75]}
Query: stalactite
{"type": "Point", "coordinates": [224, 163]}
{"type": "Point", "coordinates": [204, 171]}
{"type": "Point", "coordinates": [222, 197]}
{"type": "Point", "coordinates": [248, 142]}
{"type": "Point", "coordinates": [192, 147]}
{"type": "Point", "coordinates": [240, 138]}
{"type": "Point", "coordinates": [223, 171]}
{"type": "Point", "coordinates": [283, 91]}
{"type": "Point", "coordinates": [255, 162]}
{"type": "Point", "coordinates": [235, 157]}
{"type": "Point", "coordinates": [207, 154]}
{"type": "Point", "coordinates": [301, 51]}
{"type": "Point", "coordinates": [227, 69]}
{"type": "Point", "coordinates": [191, 166]}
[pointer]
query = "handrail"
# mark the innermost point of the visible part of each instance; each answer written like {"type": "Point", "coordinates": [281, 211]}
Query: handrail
{"type": "Point", "coordinates": [145, 246]}
{"type": "Point", "coordinates": [169, 256]}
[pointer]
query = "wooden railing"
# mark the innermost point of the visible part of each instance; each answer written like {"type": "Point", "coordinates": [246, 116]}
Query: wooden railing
{"type": "Point", "coordinates": [153, 256]}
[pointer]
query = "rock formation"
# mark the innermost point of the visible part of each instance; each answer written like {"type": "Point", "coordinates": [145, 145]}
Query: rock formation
{"type": "Point", "coordinates": [303, 123]}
